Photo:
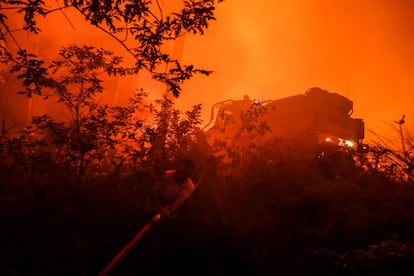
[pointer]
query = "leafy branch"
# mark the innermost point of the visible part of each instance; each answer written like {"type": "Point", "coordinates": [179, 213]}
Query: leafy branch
{"type": "Point", "coordinates": [140, 27]}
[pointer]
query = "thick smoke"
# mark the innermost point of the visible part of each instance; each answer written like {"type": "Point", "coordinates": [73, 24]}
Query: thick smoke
{"type": "Point", "coordinates": [272, 49]}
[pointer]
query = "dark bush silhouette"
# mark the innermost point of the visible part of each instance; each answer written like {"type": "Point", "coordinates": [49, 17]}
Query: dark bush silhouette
{"type": "Point", "coordinates": [73, 192]}
{"type": "Point", "coordinates": [275, 212]}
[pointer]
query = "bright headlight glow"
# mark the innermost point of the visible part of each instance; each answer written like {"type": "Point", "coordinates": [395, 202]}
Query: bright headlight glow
{"type": "Point", "coordinates": [349, 143]}
{"type": "Point", "coordinates": [346, 143]}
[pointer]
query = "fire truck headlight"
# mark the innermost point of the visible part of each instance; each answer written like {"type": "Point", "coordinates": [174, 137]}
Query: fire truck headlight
{"type": "Point", "coordinates": [349, 143]}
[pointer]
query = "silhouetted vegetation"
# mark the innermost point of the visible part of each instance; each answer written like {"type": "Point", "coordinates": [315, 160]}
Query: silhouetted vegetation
{"type": "Point", "coordinates": [141, 28]}
{"type": "Point", "coordinates": [275, 211]}
{"type": "Point", "coordinates": [73, 192]}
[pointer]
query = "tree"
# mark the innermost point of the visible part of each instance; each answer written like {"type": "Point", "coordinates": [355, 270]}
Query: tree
{"type": "Point", "coordinates": [173, 133]}
{"type": "Point", "coordinates": [141, 27]}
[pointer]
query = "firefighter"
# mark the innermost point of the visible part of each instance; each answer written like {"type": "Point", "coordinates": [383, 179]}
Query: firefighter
{"type": "Point", "coordinates": [172, 188]}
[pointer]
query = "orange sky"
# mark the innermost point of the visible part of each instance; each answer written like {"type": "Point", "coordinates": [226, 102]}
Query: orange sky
{"type": "Point", "coordinates": [362, 49]}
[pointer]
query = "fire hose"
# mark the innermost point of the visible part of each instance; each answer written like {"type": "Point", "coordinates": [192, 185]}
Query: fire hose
{"type": "Point", "coordinates": [136, 239]}
{"type": "Point", "coordinates": [130, 245]}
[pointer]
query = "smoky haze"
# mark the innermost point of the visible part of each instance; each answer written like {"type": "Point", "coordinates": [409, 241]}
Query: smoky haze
{"type": "Point", "coordinates": [272, 49]}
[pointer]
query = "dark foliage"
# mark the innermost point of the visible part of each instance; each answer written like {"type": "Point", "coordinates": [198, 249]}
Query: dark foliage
{"type": "Point", "coordinates": [142, 28]}
{"type": "Point", "coordinates": [276, 212]}
{"type": "Point", "coordinates": [73, 192]}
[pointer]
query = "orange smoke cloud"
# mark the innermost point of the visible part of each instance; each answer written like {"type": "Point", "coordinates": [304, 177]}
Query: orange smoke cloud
{"type": "Point", "coordinates": [360, 49]}
{"type": "Point", "coordinates": [272, 49]}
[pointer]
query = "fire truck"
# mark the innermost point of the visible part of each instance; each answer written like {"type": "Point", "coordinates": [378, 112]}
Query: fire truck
{"type": "Point", "coordinates": [324, 117]}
